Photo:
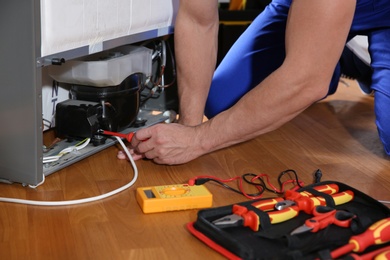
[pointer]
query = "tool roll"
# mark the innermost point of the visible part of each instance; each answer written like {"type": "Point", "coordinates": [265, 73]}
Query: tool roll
{"type": "Point", "coordinates": [326, 220]}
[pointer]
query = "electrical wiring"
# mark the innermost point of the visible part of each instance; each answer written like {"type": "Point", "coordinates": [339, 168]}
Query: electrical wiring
{"type": "Point", "coordinates": [255, 180]}
{"type": "Point", "coordinates": [76, 147]}
{"type": "Point", "coordinates": [85, 200]}
{"type": "Point", "coordinates": [281, 190]}
{"type": "Point", "coordinates": [39, 184]}
{"type": "Point", "coordinates": [258, 182]}
{"type": "Point", "coordinates": [158, 85]}
{"type": "Point", "coordinates": [206, 178]}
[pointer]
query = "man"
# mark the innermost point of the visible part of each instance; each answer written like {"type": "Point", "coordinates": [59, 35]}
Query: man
{"type": "Point", "coordinates": [285, 61]}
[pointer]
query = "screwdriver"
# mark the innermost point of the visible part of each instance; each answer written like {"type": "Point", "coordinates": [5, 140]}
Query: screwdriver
{"type": "Point", "coordinates": [376, 234]}
{"type": "Point", "coordinates": [378, 254]}
{"type": "Point", "coordinates": [128, 136]}
{"type": "Point", "coordinates": [383, 256]}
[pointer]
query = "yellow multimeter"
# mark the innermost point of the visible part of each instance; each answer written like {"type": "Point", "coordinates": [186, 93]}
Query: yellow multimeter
{"type": "Point", "coordinates": [173, 197]}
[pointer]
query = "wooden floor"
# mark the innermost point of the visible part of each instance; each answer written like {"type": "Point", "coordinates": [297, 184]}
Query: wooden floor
{"type": "Point", "coordinates": [337, 135]}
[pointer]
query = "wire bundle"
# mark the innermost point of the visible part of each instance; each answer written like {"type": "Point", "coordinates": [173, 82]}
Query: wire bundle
{"type": "Point", "coordinates": [253, 179]}
{"type": "Point", "coordinates": [74, 148]}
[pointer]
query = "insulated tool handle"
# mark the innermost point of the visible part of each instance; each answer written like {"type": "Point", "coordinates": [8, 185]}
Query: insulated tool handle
{"type": "Point", "coordinates": [343, 197]}
{"type": "Point", "coordinates": [378, 254]}
{"type": "Point", "coordinates": [321, 221]}
{"type": "Point", "coordinates": [325, 216]}
{"type": "Point", "coordinates": [128, 136]}
{"type": "Point", "coordinates": [376, 234]}
{"type": "Point", "coordinates": [250, 218]}
{"type": "Point", "coordinates": [307, 204]}
{"type": "Point", "coordinates": [327, 189]}
{"type": "Point", "coordinates": [278, 216]}
{"type": "Point", "coordinates": [269, 204]}
{"type": "Point", "coordinates": [383, 256]}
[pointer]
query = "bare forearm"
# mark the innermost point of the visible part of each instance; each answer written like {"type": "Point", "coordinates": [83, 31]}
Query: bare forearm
{"type": "Point", "coordinates": [265, 108]}
{"type": "Point", "coordinates": [196, 50]}
{"type": "Point", "coordinates": [315, 36]}
{"type": "Point", "coordinates": [312, 51]}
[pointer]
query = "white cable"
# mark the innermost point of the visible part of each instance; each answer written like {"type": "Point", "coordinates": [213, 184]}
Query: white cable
{"type": "Point", "coordinates": [66, 150]}
{"type": "Point", "coordinates": [86, 200]}
{"type": "Point", "coordinates": [76, 147]}
{"type": "Point", "coordinates": [39, 184]}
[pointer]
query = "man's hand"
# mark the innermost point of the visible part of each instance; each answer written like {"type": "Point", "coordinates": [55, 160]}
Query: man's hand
{"type": "Point", "coordinates": [122, 155]}
{"type": "Point", "coordinates": [167, 144]}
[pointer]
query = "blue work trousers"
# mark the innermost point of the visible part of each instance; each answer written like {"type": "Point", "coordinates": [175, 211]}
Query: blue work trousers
{"type": "Point", "coordinates": [260, 50]}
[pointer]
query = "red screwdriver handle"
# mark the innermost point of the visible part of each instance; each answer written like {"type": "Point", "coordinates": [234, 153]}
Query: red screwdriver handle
{"type": "Point", "coordinates": [376, 234]}
{"type": "Point", "coordinates": [376, 254]}
{"type": "Point", "coordinates": [383, 256]}
{"type": "Point", "coordinates": [128, 136]}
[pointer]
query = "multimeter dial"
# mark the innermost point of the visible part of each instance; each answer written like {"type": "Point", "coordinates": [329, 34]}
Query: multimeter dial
{"type": "Point", "coordinates": [174, 191]}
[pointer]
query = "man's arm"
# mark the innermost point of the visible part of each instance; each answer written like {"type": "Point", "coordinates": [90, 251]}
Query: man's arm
{"type": "Point", "coordinates": [196, 35]}
{"type": "Point", "coordinates": [315, 37]}
{"type": "Point", "coordinates": [316, 34]}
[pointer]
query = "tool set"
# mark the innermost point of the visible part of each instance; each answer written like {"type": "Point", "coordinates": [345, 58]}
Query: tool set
{"type": "Point", "coordinates": [327, 220]}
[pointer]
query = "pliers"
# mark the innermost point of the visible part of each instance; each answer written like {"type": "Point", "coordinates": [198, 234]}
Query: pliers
{"type": "Point", "coordinates": [323, 217]}
{"type": "Point", "coordinates": [307, 204]}
{"type": "Point", "coordinates": [243, 217]}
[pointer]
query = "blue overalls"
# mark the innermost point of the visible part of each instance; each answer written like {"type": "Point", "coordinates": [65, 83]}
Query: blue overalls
{"type": "Point", "coordinates": [261, 49]}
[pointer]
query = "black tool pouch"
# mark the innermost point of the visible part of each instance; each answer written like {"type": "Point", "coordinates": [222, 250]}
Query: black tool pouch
{"type": "Point", "coordinates": [273, 241]}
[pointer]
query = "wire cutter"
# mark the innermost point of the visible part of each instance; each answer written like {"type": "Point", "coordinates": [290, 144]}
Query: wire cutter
{"type": "Point", "coordinates": [323, 217]}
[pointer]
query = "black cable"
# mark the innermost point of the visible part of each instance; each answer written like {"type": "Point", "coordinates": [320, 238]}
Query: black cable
{"type": "Point", "coordinates": [204, 180]}
{"type": "Point", "coordinates": [317, 176]}
{"type": "Point", "coordinates": [260, 184]}
{"type": "Point", "coordinates": [289, 171]}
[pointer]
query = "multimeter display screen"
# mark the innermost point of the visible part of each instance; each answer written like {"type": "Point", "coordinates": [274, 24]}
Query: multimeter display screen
{"type": "Point", "coordinates": [149, 194]}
